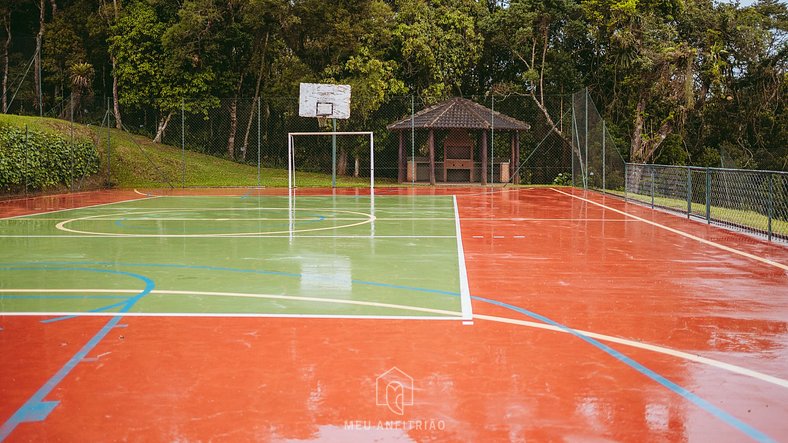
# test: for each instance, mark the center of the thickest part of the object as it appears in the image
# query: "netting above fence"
(596, 162)
(746, 200)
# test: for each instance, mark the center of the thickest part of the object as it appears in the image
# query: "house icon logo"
(394, 389)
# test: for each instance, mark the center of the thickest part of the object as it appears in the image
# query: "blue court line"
(61, 296)
(36, 408)
(675, 388)
(101, 309)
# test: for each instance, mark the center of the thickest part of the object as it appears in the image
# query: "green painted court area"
(384, 256)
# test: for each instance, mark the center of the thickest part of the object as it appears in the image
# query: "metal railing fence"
(750, 201)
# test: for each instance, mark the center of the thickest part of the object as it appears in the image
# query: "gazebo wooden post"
(484, 157)
(401, 159)
(432, 156)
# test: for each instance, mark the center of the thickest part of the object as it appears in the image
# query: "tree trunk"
(233, 127)
(53, 3)
(37, 67)
(115, 104)
(642, 150)
(162, 127)
(357, 167)
(342, 162)
(115, 99)
(636, 147)
(7, 26)
(256, 96)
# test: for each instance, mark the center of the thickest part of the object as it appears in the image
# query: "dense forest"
(678, 81)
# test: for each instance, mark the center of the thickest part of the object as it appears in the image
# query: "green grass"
(750, 219)
(137, 162)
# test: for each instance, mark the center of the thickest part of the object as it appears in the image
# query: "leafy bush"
(563, 179)
(43, 160)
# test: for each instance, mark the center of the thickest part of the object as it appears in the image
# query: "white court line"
(451, 315)
(654, 348)
(81, 207)
(224, 236)
(62, 226)
(515, 219)
(683, 234)
(465, 292)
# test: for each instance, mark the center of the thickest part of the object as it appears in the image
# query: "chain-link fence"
(243, 142)
(745, 200)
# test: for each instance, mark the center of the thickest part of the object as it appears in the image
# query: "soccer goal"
(293, 137)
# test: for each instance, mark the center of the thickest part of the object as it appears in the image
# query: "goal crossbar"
(291, 153)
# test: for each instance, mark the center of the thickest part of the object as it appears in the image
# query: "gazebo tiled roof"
(459, 113)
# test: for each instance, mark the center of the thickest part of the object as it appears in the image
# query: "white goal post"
(291, 153)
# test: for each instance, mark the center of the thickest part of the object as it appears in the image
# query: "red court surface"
(594, 320)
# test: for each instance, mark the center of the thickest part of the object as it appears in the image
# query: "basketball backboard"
(324, 100)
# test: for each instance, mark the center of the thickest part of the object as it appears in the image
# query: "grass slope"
(136, 162)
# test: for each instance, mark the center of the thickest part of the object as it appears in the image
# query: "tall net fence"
(243, 142)
(745, 200)
(597, 163)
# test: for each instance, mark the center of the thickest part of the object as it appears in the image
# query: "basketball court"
(403, 314)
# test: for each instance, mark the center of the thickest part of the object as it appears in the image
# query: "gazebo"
(461, 118)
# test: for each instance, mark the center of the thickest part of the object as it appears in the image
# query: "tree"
(158, 69)
(81, 76)
(438, 45)
(5, 17)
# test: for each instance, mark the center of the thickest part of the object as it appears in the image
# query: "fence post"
(259, 166)
(492, 139)
(413, 139)
(586, 176)
(708, 195)
(604, 187)
(109, 147)
(652, 186)
(770, 210)
(71, 145)
(626, 182)
(183, 144)
(27, 166)
(689, 192)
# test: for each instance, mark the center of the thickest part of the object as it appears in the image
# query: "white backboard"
(324, 100)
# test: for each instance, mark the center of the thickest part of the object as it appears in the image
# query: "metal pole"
(372, 162)
(585, 182)
(689, 192)
(289, 155)
(652, 186)
(40, 91)
(770, 209)
(604, 182)
(183, 144)
(626, 182)
(708, 196)
(413, 139)
(334, 155)
(27, 168)
(492, 141)
(71, 147)
(259, 168)
(109, 148)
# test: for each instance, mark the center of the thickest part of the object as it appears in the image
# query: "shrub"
(42, 160)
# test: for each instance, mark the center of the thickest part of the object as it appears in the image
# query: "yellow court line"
(683, 234)
(648, 347)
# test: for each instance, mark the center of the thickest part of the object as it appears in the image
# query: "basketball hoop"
(322, 122)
